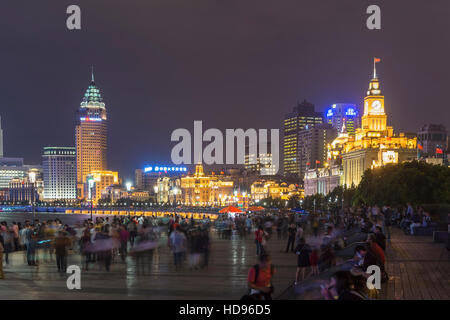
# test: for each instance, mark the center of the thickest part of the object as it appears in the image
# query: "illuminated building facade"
(343, 114)
(322, 180)
(23, 190)
(60, 175)
(312, 146)
(90, 135)
(259, 162)
(11, 168)
(137, 195)
(200, 189)
(28, 189)
(14, 168)
(96, 182)
(114, 192)
(168, 190)
(146, 179)
(263, 189)
(302, 116)
(374, 144)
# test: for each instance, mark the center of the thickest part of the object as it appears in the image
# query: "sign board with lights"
(165, 169)
(90, 119)
(389, 156)
(350, 112)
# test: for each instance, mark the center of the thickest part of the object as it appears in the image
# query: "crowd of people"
(313, 238)
(100, 241)
(316, 239)
(105, 241)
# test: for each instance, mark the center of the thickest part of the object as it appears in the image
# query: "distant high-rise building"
(346, 114)
(312, 146)
(90, 135)
(60, 175)
(432, 139)
(13, 168)
(301, 117)
(259, 162)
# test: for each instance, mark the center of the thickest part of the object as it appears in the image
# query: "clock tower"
(374, 118)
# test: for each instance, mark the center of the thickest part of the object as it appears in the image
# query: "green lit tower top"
(90, 135)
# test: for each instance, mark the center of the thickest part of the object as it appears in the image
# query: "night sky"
(161, 64)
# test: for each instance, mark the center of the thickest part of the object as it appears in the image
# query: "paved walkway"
(225, 278)
(418, 269)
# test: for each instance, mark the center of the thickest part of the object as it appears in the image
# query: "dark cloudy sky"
(161, 64)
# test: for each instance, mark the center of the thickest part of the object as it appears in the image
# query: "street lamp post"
(33, 209)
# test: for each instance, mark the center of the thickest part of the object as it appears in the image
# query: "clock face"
(376, 105)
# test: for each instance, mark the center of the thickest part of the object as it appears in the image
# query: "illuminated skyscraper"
(343, 114)
(60, 179)
(312, 147)
(90, 135)
(303, 116)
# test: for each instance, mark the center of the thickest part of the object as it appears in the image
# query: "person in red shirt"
(124, 237)
(260, 278)
(371, 240)
(259, 234)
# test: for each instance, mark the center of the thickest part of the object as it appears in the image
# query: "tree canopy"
(396, 184)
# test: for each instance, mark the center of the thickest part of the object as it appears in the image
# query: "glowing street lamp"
(128, 186)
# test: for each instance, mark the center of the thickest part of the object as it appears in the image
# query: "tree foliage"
(397, 184)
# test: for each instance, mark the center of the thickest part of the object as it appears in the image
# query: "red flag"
(376, 60)
(419, 146)
(439, 150)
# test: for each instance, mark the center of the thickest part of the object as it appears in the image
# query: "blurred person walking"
(2, 276)
(291, 237)
(7, 240)
(259, 234)
(61, 243)
(177, 243)
(302, 251)
(124, 237)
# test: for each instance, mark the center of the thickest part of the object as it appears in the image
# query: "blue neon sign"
(165, 169)
(350, 112)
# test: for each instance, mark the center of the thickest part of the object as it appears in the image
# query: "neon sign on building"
(165, 169)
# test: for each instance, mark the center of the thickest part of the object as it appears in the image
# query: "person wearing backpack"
(260, 279)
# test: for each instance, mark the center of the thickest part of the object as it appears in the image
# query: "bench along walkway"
(418, 269)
